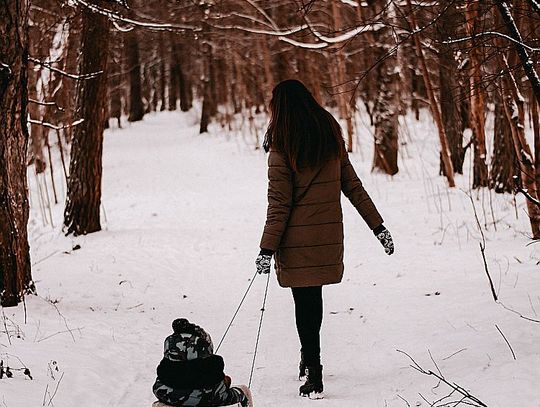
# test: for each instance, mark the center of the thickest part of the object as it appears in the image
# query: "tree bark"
(449, 90)
(162, 72)
(115, 80)
(477, 98)
(504, 156)
(386, 107)
(173, 75)
(208, 105)
(515, 113)
(67, 96)
(345, 110)
(183, 84)
(15, 271)
(536, 132)
(81, 214)
(269, 82)
(136, 106)
(526, 61)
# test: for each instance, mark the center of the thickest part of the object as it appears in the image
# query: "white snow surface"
(184, 215)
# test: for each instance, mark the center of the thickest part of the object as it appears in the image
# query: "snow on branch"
(535, 4)
(52, 126)
(41, 103)
(150, 25)
(64, 73)
(525, 193)
(493, 34)
(5, 68)
(526, 62)
(276, 32)
(283, 34)
(372, 27)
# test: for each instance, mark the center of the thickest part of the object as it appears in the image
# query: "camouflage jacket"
(188, 361)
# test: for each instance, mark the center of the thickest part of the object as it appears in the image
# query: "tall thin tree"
(136, 107)
(15, 272)
(83, 202)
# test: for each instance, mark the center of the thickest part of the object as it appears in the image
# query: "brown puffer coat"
(304, 222)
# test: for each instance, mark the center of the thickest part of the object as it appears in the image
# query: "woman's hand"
(385, 238)
(263, 261)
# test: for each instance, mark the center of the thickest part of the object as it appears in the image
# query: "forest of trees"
(69, 68)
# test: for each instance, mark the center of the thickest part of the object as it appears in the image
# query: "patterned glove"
(263, 263)
(385, 238)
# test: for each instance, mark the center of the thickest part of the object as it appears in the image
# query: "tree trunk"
(173, 75)
(522, 52)
(36, 139)
(208, 106)
(269, 82)
(386, 106)
(445, 152)
(536, 132)
(515, 114)
(15, 272)
(162, 72)
(183, 83)
(115, 80)
(36, 111)
(504, 156)
(477, 98)
(136, 106)
(449, 90)
(81, 214)
(67, 96)
(339, 79)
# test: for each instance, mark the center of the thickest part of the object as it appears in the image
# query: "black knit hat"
(181, 325)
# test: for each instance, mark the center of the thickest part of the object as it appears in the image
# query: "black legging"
(308, 307)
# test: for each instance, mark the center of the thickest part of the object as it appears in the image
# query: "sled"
(245, 389)
(160, 404)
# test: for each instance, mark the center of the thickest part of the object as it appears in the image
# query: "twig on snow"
(60, 332)
(55, 389)
(5, 325)
(482, 245)
(62, 316)
(506, 340)
(406, 402)
(519, 313)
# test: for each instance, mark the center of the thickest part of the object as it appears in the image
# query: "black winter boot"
(313, 387)
(302, 367)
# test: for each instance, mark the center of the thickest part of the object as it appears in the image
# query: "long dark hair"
(300, 128)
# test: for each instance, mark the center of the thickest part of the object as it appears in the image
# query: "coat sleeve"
(280, 191)
(354, 190)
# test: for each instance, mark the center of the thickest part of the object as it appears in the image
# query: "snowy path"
(185, 213)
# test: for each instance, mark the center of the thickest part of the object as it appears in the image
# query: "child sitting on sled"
(191, 375)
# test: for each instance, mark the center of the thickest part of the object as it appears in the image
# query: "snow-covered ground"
(184, 213)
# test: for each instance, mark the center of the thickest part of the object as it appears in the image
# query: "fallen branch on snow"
(458, 394)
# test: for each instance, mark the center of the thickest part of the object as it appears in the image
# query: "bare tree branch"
(52, 126)
(151, 25)
(59, 71)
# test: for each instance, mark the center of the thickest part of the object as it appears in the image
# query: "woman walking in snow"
(308, 168)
